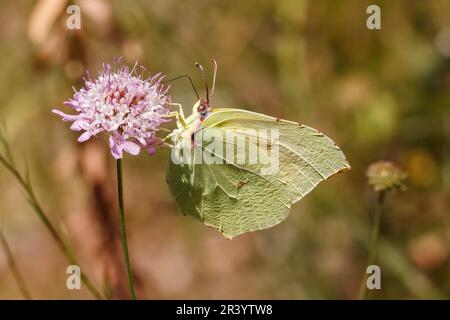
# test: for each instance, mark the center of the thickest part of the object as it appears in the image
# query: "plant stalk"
(46, 221)
(374, 242)
(123, 230)
(20, 280)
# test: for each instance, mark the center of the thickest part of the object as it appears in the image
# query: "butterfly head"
(202, 107)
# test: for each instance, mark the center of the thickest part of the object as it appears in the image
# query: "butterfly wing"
(236, 197)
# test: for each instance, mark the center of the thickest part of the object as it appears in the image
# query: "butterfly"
(240, 171)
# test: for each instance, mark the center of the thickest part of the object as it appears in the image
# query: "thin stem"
(374, 242)
(123, 230)
(15, 270)
(46, 221)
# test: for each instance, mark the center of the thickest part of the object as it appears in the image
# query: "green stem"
(123, 230)
(15, 270)
(374, 243)
(46, 221)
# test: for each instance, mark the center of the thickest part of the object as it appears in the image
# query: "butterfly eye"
(201, 108)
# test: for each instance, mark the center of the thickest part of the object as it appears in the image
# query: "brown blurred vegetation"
(380, 94)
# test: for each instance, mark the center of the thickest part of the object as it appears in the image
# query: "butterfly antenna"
(190, 81)
(202, 70)
(214, 76)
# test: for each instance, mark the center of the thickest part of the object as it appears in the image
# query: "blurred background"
(380, 94)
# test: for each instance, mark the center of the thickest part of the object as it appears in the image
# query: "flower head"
(385, 175)
(129, 108)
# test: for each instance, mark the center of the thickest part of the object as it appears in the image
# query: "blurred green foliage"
(380, 94)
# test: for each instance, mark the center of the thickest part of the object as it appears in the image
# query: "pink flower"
(127, 107)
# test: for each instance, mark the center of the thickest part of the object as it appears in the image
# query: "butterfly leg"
(180, 109)
(162, 143)
(179, 115)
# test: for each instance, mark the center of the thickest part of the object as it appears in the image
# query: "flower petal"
(131, 147)
(79, 125)
(72, 103)
(116, 149)
(65, 117)
(84, 136)
(151, 150)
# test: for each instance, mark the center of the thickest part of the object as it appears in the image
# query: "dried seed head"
(385, 175)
